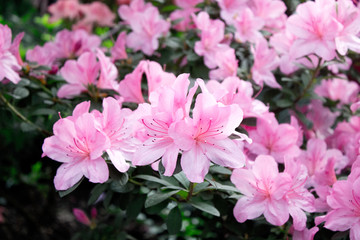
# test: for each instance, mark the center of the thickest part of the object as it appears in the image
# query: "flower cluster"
(285, 154)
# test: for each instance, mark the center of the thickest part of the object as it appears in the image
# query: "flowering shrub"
(226, 119)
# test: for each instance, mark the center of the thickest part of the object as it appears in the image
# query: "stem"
(191, 189)
(135, 182)
(22, 117)
(311, 82)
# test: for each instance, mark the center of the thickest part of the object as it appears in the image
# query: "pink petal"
(67, 175)
(195, 164)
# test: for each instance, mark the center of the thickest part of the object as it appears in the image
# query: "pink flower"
(78, 75)
(298, 197)
(306, 234)
(79, 146)
(229, 8)
(108, 72)
(99, 13)
(282, 42)
(236, 91)
(247, 26)
(345, 203)
(265, 60)
(264, 189)
(170, 105)
(184, 18)
(338, 89)
(348, 15)
(130, 86)
(146, 24)
(70, 9)
(184, 14)
(227, 64)
(74, 43)
(67, 44)
(10, 61)
(315, 30)
(322, 119)
(271, 138)
(118, 51)
(204, 137)
(321, 162)
(345, 138)
(114, 123)
(212, 33)
(83, 73)
(274, 194)
(270, 11)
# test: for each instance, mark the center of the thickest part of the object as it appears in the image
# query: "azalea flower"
(10, 61)
(79, 146)
(265, 60)
(204, 137)
(272, 138)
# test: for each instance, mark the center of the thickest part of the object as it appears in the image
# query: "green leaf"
(155, 198)
(191, 56)
(44, 111)
(153, 179)
(284, 103)
(120, 178)
(135, 206)
(169, 8)
(24, 82)
(173, 42)
(116, 187)
(182, 179)
(221, 187)
(96, 192)
(174, 221)
(66, 192)
(204, 206)
(200, 186)
(20, 93)
(221, 170)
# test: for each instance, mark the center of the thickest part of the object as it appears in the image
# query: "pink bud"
(81, 216)
(93, 213)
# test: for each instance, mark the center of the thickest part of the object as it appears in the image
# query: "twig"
(22, 117)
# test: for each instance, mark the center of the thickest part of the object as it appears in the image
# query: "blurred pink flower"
(67, 44)
(344, 201)
(98, 13)
(130, 86)
(338, 89)
(265, 60)
(271, 138)
(118, 51)
(146, 24)
(84, 72)
(212, 34)
(227, 64)
(10, 61)
(236, 91)
(70, 9)
(315, 30)
(247, 26)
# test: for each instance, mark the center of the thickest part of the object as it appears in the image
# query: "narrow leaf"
(155, 198)
(174, 221)
(205, 207)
